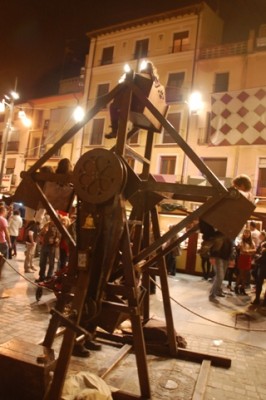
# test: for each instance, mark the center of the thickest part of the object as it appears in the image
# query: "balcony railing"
(223, 50)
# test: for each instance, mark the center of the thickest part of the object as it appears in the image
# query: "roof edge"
(193, 9)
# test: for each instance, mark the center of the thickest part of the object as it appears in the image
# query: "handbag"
(205, 248)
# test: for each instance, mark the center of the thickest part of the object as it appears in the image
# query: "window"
(107, 55)
(102, 89)
(173, 90)
(13, 142)
(167, 165)
(135, 138)
(38, 117)
(141, 48)
(205, 132)
(174, 119)
(261, 188)
(33, 150)
(216, 165)
(97, 131)
(221, 82)
(10, 165)
(180, 41)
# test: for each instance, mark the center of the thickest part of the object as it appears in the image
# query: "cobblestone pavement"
(238, 333)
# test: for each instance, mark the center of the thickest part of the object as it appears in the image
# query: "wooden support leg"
(138, 337)
(165, 290)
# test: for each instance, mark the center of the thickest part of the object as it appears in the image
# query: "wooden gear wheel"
(98, 176)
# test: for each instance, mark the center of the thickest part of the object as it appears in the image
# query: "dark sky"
(35, 33)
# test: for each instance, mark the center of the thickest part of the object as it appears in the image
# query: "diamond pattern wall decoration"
(239, 117)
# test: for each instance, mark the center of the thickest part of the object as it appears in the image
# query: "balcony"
(223, 50)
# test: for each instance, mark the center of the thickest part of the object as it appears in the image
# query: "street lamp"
(9, 104)
(7, 131)
(195, 104)
(78, 114)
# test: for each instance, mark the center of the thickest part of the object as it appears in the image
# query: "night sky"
(39, 38)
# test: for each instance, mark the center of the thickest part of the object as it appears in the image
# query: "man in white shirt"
(255, 233)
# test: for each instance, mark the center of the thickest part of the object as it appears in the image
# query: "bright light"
(21, 114)
(15, 95)
(195, 102)
(122, 79)
(127, 68)
(143, 65)
(2, 106)
(78, 114)
(26, 121)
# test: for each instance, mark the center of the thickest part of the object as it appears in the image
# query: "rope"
(159, 287)
(25, 278)
(205, 318)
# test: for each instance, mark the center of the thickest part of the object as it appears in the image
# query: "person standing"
(261, 275)
(221, 251)
(247, 250)
(15, 223)
(49, 239)
(220, 255)
(171, 256)
(255, 233)
(32, 231)
(63, 245)
(5, 242)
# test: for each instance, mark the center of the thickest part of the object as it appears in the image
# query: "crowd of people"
(242, 259)
(42, 240)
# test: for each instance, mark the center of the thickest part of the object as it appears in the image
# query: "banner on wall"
(6, 183)
(239, 117)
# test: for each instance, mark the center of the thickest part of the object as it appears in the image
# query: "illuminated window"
(174, 119)
(97, 131)
(107, 55)
(141, 48)
(180, 41)
(167, 165)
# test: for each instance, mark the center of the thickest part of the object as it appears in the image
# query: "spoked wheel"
(98, 175)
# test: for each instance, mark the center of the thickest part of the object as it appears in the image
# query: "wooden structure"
(113, 249)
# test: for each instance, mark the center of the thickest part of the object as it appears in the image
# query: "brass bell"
(89, 222)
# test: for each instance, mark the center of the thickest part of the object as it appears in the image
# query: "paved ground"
(208, 328)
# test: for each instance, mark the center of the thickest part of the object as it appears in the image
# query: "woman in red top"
(246, 249)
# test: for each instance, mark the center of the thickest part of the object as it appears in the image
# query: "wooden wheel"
(98, 176)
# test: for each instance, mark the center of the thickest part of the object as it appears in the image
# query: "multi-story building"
(186, 47)
(171, 40)
(50, 117)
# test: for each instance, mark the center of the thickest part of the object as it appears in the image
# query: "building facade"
(186, 47)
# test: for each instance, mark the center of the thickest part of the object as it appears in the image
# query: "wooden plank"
(115, 360)
(202, 381)
(216, 361)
